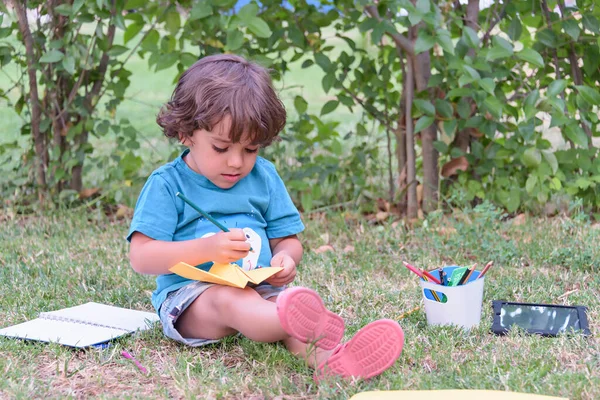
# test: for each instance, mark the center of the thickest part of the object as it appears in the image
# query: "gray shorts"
(178, 301)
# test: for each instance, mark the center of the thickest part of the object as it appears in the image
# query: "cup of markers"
(452, 295)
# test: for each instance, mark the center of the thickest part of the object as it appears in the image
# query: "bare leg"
(223, 311)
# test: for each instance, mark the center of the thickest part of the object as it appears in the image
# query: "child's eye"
(219, 149)
(251, 150)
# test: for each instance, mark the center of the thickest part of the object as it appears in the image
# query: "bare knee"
(228, 299)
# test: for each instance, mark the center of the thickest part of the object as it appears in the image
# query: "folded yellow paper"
(225, 274)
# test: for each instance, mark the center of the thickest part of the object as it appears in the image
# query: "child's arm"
(287, 253)
(155, 257)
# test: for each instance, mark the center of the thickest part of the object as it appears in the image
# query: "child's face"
(214, 156)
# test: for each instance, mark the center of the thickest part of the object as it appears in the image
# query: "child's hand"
(229, 246)
(288, 273)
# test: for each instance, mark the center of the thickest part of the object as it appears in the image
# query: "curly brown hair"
(221, 85)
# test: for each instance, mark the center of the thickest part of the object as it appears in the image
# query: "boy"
(224, 109)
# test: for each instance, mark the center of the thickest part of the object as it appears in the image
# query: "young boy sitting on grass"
(224, 110)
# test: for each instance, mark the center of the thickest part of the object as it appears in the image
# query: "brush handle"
(206, 215)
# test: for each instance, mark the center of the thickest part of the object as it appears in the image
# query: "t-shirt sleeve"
(282, 216)
(155, 212)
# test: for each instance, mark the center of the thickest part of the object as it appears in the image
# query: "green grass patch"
(52, 261)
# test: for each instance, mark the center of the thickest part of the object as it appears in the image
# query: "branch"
(399, 39)
(488, 33)
(367, 107)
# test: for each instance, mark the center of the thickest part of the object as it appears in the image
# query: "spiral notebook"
(82, 326)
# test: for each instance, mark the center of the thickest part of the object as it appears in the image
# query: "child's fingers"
(236, 234)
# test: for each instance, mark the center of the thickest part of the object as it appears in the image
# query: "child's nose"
(235, 159)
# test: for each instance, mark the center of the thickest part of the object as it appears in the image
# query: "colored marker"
(205, 214)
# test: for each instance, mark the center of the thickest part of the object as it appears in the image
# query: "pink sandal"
(304, 317)
(371, 351)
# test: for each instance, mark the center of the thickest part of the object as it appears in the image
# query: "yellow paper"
(450, 395)
(224, 274)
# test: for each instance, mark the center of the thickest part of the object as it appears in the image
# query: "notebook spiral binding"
(77, 321)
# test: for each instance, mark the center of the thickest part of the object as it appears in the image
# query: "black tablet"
(541, 319)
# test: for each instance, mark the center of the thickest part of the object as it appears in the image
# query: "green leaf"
(328, 81)
(531, 56)
(167, 60)
(531, 182)
(444, 108)
(471, 72)
(470, 37)
(173, 22)
(571, 28)
(445, 41)
(494, 106)
(424, 106)
(52, 56)
(131, 31)
(532, 157)
(235, 40)
(515, 29)
(201, 9)
(497, 52)
(424, 42)
(132, 4)
(296, 36)
(423, 122)
(591, 23)
(77, 4)
(300, 104)
(248, 12)
(464, 108)
(424, 6)
(377, 33)
(259, 27)
(551, 160)
(323, 61)
(69, 64)
(514, 200)
(488, 85)
(576, 134)
(547, 38)
(188, 59)
(117, 50)
(556, 87)
(330, 106)
(589, 94)
(64, 9)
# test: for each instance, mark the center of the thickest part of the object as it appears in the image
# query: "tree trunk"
(422, 72)
(400, 134)
(463, 136)
(412, 207)
(36, 112)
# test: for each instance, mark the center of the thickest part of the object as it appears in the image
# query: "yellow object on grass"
(449, 395)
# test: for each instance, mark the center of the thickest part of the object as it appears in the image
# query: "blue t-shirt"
(259, 204)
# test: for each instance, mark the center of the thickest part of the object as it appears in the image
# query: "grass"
(62, 259)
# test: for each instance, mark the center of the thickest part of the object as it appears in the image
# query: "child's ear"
(185, 140)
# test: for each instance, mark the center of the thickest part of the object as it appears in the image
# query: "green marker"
(205, 214)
